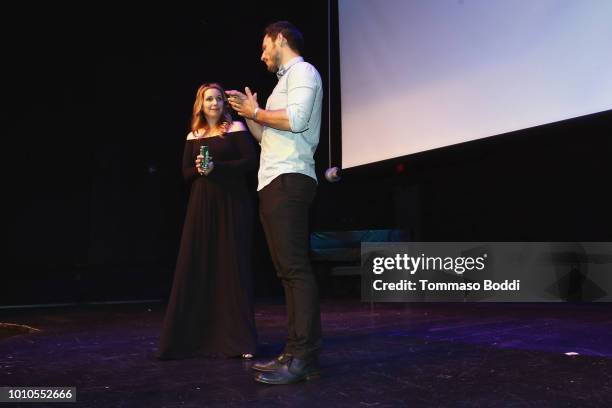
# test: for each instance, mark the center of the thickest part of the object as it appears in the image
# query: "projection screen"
(422, 74)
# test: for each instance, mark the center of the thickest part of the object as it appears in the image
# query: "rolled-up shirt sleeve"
(301, 91)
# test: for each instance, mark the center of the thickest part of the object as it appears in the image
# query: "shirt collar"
(283, 68)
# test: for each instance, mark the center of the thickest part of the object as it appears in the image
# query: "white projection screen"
(422, 74)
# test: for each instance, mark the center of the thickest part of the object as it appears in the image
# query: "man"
(288, 132)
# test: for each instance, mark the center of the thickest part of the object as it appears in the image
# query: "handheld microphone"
(333, 174)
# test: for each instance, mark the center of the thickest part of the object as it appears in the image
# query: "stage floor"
(385, 355)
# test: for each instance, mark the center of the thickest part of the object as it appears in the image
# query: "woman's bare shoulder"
(237, 126)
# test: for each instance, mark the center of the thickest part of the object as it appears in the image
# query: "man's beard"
(275, 66)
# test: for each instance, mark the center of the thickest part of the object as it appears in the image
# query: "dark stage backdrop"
(96, 107)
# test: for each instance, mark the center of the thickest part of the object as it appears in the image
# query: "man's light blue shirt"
(299, 91)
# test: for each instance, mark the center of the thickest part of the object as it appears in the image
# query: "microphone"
(333, 174)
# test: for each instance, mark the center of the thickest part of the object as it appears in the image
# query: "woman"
(210, 311)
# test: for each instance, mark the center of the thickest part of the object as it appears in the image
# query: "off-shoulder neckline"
(212, 137)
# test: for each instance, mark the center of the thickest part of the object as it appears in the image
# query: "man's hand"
(243, 103)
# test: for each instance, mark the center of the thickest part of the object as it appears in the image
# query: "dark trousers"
(283, 210)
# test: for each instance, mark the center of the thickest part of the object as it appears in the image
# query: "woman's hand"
(210, 168)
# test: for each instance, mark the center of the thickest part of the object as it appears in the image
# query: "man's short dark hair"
(289, 31)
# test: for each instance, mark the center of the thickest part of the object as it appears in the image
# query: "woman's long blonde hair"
(198, 120)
